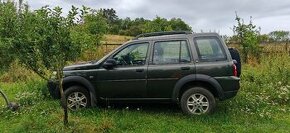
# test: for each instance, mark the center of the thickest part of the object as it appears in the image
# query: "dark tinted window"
(132, 55)
(210, 49)
(171, 52)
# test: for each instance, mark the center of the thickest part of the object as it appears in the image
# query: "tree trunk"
(245, 54)
(63, 99)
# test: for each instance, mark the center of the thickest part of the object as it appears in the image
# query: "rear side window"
(171, 52)
(209, 49)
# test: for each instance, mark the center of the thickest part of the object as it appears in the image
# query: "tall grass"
(265, 87)
(17, 73)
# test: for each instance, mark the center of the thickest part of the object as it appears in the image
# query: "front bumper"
(53, 89)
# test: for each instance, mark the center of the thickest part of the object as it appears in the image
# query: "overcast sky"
(206, 15)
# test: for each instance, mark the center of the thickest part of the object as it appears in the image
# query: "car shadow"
(222, 110)
(144, 107)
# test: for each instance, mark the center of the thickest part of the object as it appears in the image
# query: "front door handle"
(139, 70)
(185, 68)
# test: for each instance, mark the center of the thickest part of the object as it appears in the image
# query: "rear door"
(212, 59)
(170, 61)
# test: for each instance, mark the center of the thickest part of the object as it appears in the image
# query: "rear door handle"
(139, 70)
(185, 68)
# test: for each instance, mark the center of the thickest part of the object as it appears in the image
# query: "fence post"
(287, 47)
(106, 47)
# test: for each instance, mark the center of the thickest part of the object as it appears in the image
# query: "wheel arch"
(197, 80)
(81, 81)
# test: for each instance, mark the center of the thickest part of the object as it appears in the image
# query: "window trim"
(179, 58)
(219, 43)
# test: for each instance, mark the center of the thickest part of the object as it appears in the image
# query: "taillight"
(235, 71)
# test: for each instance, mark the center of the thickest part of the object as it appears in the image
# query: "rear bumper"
(229, 94)
(230, 85)
(53, 89)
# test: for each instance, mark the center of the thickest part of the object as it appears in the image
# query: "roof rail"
(162, 34)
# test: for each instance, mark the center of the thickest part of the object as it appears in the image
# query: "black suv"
(190, 69)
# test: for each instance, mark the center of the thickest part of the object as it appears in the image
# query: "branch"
(40, 75)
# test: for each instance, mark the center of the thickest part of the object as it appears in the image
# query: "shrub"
(17, 73)
(265, 88)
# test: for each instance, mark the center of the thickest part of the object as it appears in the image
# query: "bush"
(265, 89)
(31, 92)
(17, 73)
(247, 37)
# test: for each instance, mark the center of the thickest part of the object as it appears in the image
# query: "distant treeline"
(279, 36)
(133, 27)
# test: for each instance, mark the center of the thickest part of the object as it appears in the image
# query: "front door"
(128, 78)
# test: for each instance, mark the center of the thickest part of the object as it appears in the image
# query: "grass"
(262, 105)
(42, 114)
(115, 39)
(109, 43)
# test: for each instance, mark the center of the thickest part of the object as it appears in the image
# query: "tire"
(236, 56)
(77, 97)
(197, 101)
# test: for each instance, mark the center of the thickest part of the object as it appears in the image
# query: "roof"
(162, 33)
(171, 34)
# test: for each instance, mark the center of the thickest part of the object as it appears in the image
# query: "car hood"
(82, 66)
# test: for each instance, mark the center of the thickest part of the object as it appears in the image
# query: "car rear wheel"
(77, 97)
(197, 101)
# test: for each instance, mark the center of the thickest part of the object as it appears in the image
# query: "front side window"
(210, 49)
(171, 52)
(132, 55)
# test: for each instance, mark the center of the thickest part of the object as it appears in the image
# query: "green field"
(262, 105)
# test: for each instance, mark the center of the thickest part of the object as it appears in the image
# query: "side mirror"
(109, 64)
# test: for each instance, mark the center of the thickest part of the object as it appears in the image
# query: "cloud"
(203, 15)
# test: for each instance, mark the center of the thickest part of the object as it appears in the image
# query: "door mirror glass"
(109, 64)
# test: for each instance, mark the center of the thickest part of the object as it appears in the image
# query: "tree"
(279, 36)
(156, 25)
(263, 38)
(112, 19)
(88, 32)
(8, 24)
(46, 40)
(109, 14)
(133, 27)
(126, 23)
(137, 26)
(161, 24)
(247, 36)
(178, 25)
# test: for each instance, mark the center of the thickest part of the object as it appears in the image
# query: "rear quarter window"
(209, 49)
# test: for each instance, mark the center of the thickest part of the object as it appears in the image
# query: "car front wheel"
(197, 101)
(77, 97)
